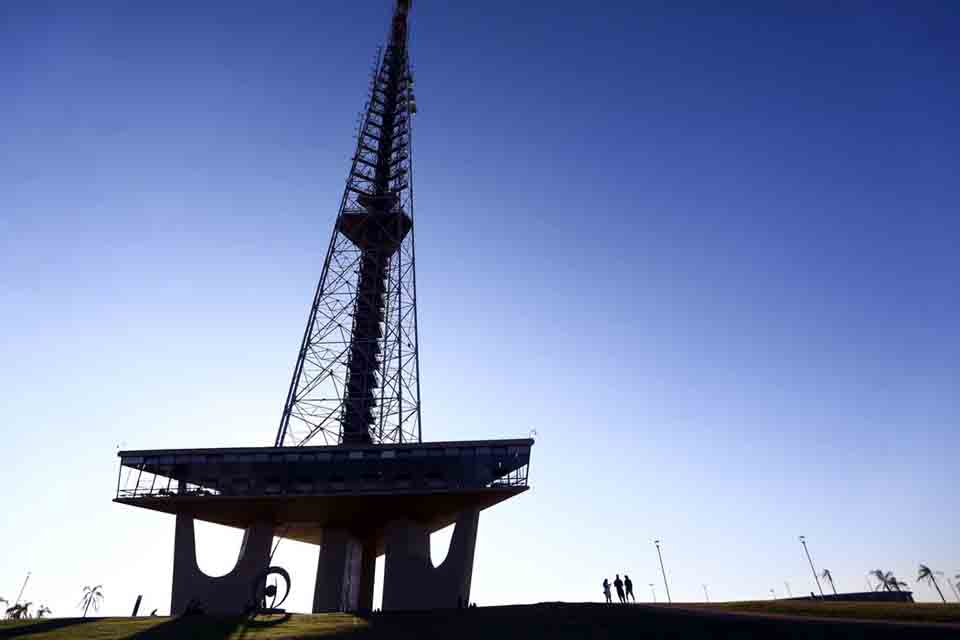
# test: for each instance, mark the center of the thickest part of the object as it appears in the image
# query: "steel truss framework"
(357, 374)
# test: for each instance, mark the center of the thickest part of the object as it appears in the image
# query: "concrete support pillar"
(410, 580)
(345, 573)
(229, 594)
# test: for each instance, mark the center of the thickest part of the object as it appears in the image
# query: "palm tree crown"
(887, 580)
(882, 579)
(92, 596)
(926, 575)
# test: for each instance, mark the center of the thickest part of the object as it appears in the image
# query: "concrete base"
(345, 573)
(229, 594)
(410, 580)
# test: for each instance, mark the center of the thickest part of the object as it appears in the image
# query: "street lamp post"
(956, 588)
(22, 588)
(653, 590)
(953, 588)
(663, 571)
(803, 541)
(705, 594)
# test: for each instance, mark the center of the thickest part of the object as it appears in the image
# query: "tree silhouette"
(883, 579)
(826, 575)
(897, 584)
(43, 611)
(887, 580)
(926, 574)
(19, 611)
(92, 596)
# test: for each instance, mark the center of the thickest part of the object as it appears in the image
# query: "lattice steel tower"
(356, 380)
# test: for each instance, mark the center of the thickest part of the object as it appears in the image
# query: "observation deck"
(302, 490)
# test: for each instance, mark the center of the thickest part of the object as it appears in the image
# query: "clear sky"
(710, 256)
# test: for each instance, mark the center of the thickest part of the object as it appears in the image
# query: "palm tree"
(883, 579)
(44, 610)
(896, 583)
(19, 611)
(926, 574)
(91, 596)
(826, 575)
(887, 580)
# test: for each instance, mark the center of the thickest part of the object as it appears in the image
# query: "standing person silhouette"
(606, 591)
(618, 583)
(629, 586)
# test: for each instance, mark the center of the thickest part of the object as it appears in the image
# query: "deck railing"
(321, 471)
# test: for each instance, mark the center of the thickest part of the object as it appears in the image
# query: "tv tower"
(348, 470)
(356, 380)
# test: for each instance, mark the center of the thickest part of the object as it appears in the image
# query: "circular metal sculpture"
(266, 596)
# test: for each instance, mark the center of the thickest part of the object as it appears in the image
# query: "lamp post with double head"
(663, 571)
(803, 541)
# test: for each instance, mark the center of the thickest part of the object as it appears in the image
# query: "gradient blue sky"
(709, 255)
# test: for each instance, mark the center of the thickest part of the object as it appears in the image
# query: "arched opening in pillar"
(300, 560)
(440, 544)
(218, 547)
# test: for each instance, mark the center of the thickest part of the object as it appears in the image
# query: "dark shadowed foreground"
(533, 622)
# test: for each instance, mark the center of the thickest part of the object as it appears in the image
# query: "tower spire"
(356, 380)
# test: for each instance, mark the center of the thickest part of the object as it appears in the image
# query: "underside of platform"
(303, 518)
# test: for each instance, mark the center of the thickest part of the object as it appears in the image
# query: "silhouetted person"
(629, 587)
(606, 591)
(618, 583)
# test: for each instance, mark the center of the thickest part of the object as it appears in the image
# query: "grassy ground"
(899, 612)
(533, 622)
(295, 626)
